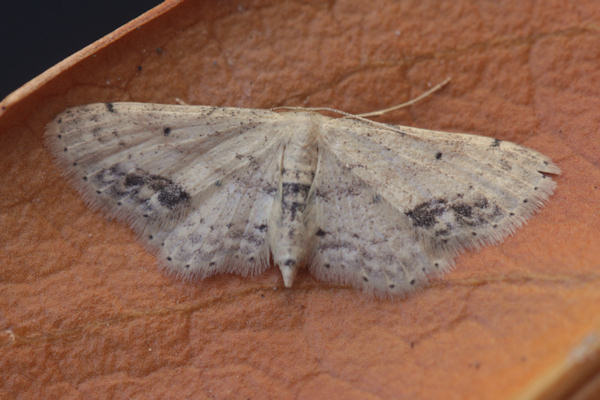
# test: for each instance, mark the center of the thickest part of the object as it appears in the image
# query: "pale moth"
(360, 203)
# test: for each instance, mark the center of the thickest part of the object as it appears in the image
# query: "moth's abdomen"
(288, 231)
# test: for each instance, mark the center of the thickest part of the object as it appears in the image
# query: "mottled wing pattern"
(408, 200)
(361, 238)
(226, 231)
(195, 182)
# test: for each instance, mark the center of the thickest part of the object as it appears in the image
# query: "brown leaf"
(85, 310)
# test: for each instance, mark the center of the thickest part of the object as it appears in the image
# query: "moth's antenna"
(362, 117)
(372, 113)
(408, 103)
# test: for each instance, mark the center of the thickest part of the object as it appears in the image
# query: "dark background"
(35, 35)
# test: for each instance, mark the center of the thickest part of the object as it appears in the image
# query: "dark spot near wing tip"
(187, 265)
(211, 264)
(376, 198)
(436, 265)
(424, 214)
(65, 149)
(145, 215)
(545, 162)
(496, 143)
(412, 281)
(392, 286)
(438, 155)
(262, 227)
(525, 201)
(512, 214)
(218, 183)
(172, 195)
(59, 121)
(133, 180)
(110, 107)
(251, 259)
(119, 203)
(463, 210)
(98, 192)
(74, 163)
(169, 259)
(428, 215)
(150, 237)
(474, 233)
(495, 225)
(166, 131)
(535, 188)
(321, 232)
(289, 262)
(327, 266)
(59, 136)
(85, 178)
(365, 279)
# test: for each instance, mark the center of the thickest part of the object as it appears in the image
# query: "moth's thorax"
(288, 222)
(299, 160)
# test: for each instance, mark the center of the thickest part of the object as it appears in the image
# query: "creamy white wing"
(441, 191)
(194, 182)
(360, 238)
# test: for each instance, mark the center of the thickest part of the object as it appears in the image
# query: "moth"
(231, 190)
